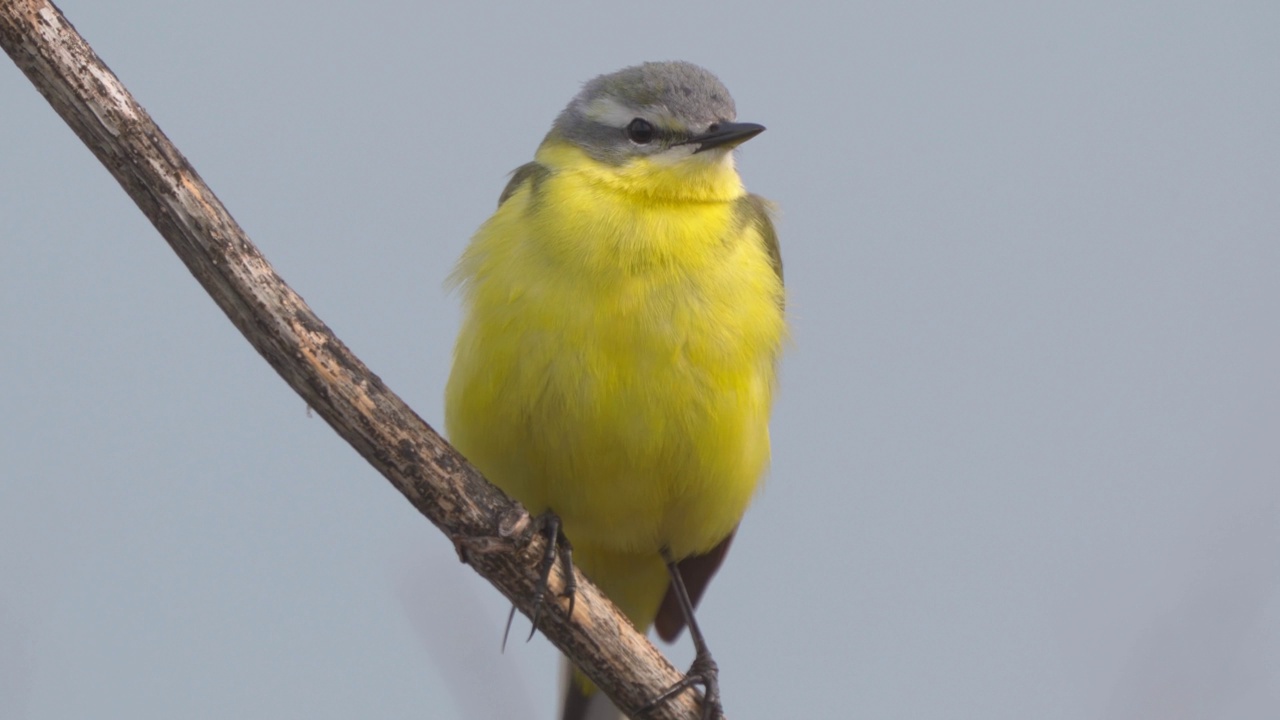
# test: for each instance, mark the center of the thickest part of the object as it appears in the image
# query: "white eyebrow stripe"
(607, 111)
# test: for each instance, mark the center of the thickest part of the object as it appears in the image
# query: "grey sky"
(1026, 450)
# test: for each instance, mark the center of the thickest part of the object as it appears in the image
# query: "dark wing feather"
(529, 172)
(696, 572)
(754, 210)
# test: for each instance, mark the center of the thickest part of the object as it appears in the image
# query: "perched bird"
(623, 319)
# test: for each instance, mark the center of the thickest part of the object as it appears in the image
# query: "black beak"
(725, 134)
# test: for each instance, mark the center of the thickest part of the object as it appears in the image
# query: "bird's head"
(661, 128)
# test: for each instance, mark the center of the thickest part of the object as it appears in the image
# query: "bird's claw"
(558, 546)
(702, 672)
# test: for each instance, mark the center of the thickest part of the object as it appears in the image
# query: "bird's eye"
(640, 131)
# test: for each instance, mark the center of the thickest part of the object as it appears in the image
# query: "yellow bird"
(623, 319)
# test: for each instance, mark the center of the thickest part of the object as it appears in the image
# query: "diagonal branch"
(491, 531)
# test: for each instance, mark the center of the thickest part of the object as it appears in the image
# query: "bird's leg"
(558, 547)
(703, 671)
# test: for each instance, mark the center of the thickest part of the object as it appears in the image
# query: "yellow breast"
(617, 357)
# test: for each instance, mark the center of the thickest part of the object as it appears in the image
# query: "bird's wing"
(696, 571)
(531, 172)
(755, 211)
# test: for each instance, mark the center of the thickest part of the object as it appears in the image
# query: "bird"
(623, 323)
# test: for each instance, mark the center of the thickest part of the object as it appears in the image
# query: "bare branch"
(490, 530)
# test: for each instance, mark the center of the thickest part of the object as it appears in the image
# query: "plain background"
(1027, 445)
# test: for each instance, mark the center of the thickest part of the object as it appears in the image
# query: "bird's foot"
(558, 547)
(702, 672)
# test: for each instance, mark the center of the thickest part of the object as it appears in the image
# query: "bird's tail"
(581, 704)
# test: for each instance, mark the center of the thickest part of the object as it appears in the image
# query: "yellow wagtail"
(619, 350)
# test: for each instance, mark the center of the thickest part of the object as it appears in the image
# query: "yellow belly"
(616, 365)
